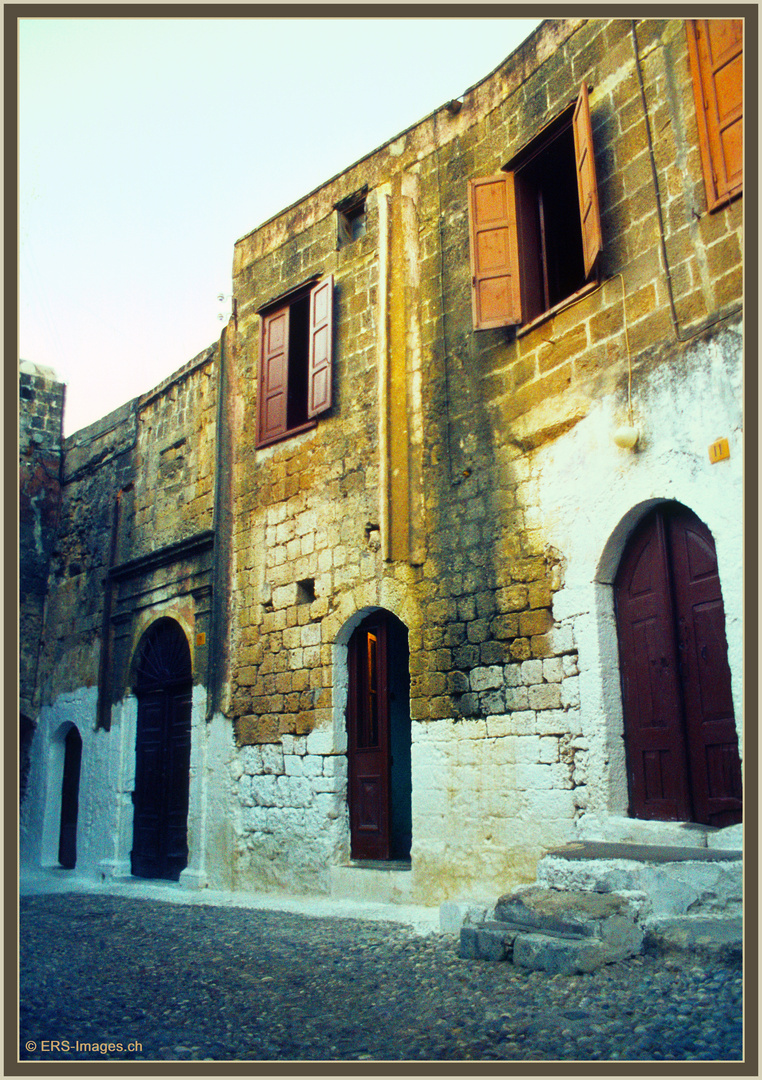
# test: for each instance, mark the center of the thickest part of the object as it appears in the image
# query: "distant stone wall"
(41, 402)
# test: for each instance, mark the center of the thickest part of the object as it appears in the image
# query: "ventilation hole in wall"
(305, 591)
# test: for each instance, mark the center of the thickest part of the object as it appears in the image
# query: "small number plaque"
(719, 450)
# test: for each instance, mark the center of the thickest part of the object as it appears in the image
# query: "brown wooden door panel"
(650, 690)
(682, 748)
(368, 737)
(705, 671)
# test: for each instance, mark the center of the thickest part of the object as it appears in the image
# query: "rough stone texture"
(41, 402)
(699, 886)
(465, 481)
(275, 986)
(557, 956)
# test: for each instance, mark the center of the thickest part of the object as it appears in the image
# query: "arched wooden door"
(679, 726)
(378, 730)
(67, 837)
(163, 686)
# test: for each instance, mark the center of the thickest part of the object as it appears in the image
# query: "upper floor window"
(535, 227)
(295, 361)
(351, 220)
(715, 47)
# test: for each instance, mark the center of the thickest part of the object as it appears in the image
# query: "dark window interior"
(352, 222)
(298, 361)
(550, 233)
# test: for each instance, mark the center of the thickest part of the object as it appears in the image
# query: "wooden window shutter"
(587, 186)
(715, 47)
(272, 393)
(321, 348)
(495, 292)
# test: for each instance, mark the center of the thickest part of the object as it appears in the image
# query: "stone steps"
(565, 932)
(678, 881)
(598, 902)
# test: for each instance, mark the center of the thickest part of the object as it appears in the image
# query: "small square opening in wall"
(305, 591)
(351, 221)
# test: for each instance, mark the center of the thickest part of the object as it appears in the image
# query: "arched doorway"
(378, 739)
(26, 734)
(163, 685)
(67, 838)
(679, 727)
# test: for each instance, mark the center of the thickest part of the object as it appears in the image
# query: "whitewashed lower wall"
(107, 781)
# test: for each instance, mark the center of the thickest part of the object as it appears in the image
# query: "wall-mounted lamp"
(626, 436)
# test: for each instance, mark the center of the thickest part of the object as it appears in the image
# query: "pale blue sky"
(149, 146)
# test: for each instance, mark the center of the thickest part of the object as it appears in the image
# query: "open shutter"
(587, 187)
(272, 392)
(321, 348)
(716, 53)
(495, 293)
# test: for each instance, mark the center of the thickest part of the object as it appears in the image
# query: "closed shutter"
(496, 297)
(321, 348)
(272, 392)
(715, 47)
(587, 187)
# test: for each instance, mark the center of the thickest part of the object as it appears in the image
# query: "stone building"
(434, 561)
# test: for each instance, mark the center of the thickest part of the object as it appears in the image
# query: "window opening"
(535, 227)
(295, 361)
(352, 223)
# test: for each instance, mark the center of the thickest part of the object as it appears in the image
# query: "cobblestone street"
(196, 982)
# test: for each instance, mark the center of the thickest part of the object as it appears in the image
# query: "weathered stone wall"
(465, 481)
(509, 441)
(41, 401)
(135, 542)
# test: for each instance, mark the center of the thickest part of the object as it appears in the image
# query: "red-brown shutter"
(587, 186)
(272, 392)
(321, 348)
(495, 292)
(715, 47)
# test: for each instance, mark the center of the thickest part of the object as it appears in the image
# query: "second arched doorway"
(378, 736)
(679, 726)
(163, 685)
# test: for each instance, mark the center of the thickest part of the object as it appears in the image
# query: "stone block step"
(708, 939)
(387, 882)
(677, 880)
(561, 933)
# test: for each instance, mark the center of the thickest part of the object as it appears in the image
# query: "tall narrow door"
(160, 845)
(378, 730)
(682, 749)
(67, 840)
(162, 754)
(368, 737)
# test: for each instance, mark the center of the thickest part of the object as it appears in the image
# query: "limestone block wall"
(495, 536)
(134, 542)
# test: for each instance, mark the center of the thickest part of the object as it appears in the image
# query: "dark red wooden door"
(162, 754)
(682, 748)
(67, 840)
(368, 740)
